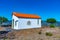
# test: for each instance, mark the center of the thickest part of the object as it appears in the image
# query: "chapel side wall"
(23, 23)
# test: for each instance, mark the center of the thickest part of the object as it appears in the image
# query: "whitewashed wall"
(23, 23)
(15, 18)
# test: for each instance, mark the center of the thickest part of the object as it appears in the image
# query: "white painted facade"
(22, 23)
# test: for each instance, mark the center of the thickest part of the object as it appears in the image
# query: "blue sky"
(44, 8)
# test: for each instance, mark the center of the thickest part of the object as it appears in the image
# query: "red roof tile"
(25, 15)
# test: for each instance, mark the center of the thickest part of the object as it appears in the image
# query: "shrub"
(49, 34)
(52, 26)
(40, 32)
(4, 38)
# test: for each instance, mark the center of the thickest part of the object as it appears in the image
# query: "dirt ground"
(33, 34)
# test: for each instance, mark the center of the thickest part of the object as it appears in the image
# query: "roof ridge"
(25, 15)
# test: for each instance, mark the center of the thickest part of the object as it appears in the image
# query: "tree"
(0, 20)
(52, 21)
(3, 19)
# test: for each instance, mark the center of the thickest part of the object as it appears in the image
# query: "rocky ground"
(34, 34)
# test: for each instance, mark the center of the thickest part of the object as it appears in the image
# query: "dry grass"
(33, 34)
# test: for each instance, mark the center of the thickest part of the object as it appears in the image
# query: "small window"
(28, 23)
(16, 22)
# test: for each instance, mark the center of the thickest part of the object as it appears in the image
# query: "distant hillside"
(44, 23)
(58, 24)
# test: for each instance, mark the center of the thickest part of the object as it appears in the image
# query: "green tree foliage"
(51, 20)
(3, 19)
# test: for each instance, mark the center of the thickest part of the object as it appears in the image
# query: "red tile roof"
(25, 15)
